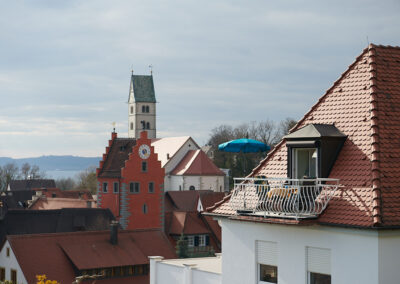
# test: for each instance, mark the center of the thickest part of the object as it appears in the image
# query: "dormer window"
(312, 150)
(304, 163)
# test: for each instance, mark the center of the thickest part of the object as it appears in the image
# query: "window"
(151, 187)
(144, 166)
(13, 276)
(147, 109)
(304, 163)
(105, 187)
(8, 252)
(144, 209)
(317, 278)
(2, 274)
(192, 187)
(131, 125)
(190, 240)
(267, 258)
(143, 109)
(143, 124)
(319, 265)
(180, 188)
(202, 241)
(148, 125)
(134, 187)
(131, 109)
(116, 187)
(268, 273)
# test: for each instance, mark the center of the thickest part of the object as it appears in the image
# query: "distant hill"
(55, 163)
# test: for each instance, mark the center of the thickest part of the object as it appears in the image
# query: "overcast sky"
(65, 65)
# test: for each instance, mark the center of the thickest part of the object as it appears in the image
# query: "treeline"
(240, 164)
(84, 180)
(11, 171)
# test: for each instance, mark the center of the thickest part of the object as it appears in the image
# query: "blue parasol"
(243, 145)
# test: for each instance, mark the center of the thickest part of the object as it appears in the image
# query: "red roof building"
(131, 180)
(324, 205)
(65, 256)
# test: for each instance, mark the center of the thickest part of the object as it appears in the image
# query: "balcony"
(282, 197)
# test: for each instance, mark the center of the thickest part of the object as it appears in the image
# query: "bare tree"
(65, 183)
(8, 172)
(87, 180)
(25, 169)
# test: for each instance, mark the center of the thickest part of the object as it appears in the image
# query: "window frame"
(2, 273)
(294, 161)
(134, 187)
(309, 276)
(115, 189)
(202, 240)
(190, 241)
(13, 271)
(151, 187)
(144, 167)
(259, 274)
(145, 209)
(105, 187)
(8, 252)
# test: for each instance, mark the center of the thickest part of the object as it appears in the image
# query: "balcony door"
(304, 163)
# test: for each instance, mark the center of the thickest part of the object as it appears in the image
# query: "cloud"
(64, 73)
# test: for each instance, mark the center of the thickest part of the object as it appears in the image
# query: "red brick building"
(130, 182)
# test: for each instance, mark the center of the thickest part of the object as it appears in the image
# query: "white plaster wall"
(138, 116)
(203, 277)
(204, 182)
(167, 273)
(175, 182)
(11, 263)
(389, 257)
(354, 253)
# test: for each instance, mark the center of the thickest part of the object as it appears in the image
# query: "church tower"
(142, 106)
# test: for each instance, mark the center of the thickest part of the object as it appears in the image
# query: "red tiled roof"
(187, 223)
(364, 104)
(116, 155)
(188, 200)
(50, 192)
(56, 254)
(197, 163)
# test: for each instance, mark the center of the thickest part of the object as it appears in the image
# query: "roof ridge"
(372, 45)
(277, 146)
(376, 176)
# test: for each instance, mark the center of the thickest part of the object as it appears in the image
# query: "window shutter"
(207, 240)
(319, 260)
(267, 253)
(196, 241)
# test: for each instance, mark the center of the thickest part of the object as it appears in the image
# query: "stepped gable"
(364, 104)
(196, 163)
(117, 153)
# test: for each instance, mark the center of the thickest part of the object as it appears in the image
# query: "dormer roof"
(316, 131)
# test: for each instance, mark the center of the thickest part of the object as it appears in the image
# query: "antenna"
(132, 69)
(151, 69)
(367, 41)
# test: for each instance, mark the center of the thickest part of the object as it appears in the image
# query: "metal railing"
(282, 197)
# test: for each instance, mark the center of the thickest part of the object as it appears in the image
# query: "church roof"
(169, 146)
(197, 163)
(143, 88)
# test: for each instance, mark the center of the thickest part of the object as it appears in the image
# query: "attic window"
(312, 150)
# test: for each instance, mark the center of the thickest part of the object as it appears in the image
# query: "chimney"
(114, 232)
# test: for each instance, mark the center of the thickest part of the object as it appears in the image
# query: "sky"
(65, 65)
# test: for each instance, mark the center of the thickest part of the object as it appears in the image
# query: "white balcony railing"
(282, 197)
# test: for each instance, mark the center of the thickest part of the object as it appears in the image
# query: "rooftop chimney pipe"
(114, 232)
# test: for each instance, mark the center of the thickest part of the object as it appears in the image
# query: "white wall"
(354, 252)
(214, 183)
(177, 274)
(389, 257)
(11, 263)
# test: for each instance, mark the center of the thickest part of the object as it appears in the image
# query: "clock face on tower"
(144, 151)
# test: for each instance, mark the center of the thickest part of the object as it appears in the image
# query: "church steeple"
(142, 106)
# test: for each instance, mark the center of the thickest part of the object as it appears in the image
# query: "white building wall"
(11, 263)
(204, 277)
(167, 273)
(354, 253)
(214, 183)
(389, 257)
